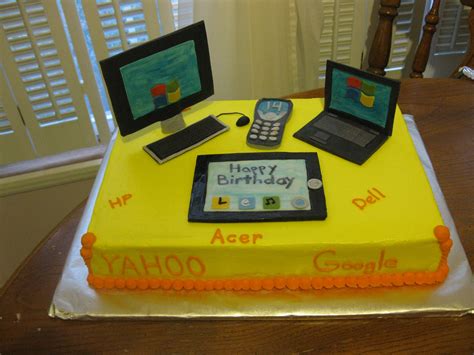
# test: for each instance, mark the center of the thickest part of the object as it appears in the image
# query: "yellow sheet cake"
(383, 226)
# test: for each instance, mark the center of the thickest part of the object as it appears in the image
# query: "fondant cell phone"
(270, 117)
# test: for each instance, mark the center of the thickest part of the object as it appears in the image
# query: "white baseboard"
(49, 177)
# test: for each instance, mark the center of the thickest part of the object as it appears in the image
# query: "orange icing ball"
(255, 284)
(119, 283)
(362, 281)
(375, 280)
(442, 233)
(228, 286)
(409, 278)
(245, 285)
(166, 284)
(86, 253)
(419, 278)
(199, 285)
(189, 284)
(397, 280)
(279, 283)
(237, 285)
(304, 283)
(88, 239)
(98, 282)
(292, 283)
(209, 285)
(178, 285)
(142, 284)
(339, 282)
(131, 284)
(328, 282)
(218, 285)
(267, 284)
(154, 283)
(317, 283)
(109, 283)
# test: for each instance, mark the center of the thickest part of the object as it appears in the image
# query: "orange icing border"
(277, 283)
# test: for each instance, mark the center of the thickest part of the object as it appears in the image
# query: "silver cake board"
(74, 299)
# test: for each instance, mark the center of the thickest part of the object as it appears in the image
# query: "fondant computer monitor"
(157, 80)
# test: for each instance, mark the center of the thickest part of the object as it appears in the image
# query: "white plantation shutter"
(182, 12)
(117, 25)
(36, 57)
(453, 29)
(14, 141)
(343, 32)
(403, 38)
(450, 41)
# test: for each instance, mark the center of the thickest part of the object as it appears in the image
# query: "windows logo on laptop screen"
(358, 113)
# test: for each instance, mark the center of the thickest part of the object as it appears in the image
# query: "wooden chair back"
(380, 48)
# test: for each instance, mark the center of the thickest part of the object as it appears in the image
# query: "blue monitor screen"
(360, 97)
(161, 79)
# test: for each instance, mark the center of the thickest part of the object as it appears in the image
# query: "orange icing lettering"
(232, 238)
(129, 264)
(244, 238)
(256, 236)
(316, 265)
(391, 263)
(119, 201)
(218, 236)
(147, 266)
(201, 266)
(368, 267)
(374, 196)
(168, 259)
(381, 257)
(110, 262)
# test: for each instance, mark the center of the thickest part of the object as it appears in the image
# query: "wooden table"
(444, 113)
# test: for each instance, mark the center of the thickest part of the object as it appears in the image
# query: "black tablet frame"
(116, 89)
(198, 195)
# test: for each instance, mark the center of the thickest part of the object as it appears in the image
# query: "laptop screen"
(361, 95)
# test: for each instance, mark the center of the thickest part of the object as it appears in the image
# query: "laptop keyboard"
(344, 130)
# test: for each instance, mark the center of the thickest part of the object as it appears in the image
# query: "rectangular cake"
(383, 226)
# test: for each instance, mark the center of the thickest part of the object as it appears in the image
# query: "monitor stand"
(173, 124)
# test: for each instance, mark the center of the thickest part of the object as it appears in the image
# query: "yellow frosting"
(380, 220)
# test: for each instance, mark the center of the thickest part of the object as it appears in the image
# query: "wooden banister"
(382, 43)
(423, 50)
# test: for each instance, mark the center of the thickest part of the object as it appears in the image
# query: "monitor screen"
(158, 79)
(361, 95)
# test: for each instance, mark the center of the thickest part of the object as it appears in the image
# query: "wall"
(27, 218)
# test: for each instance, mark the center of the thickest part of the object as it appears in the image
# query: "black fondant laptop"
(358, 114)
